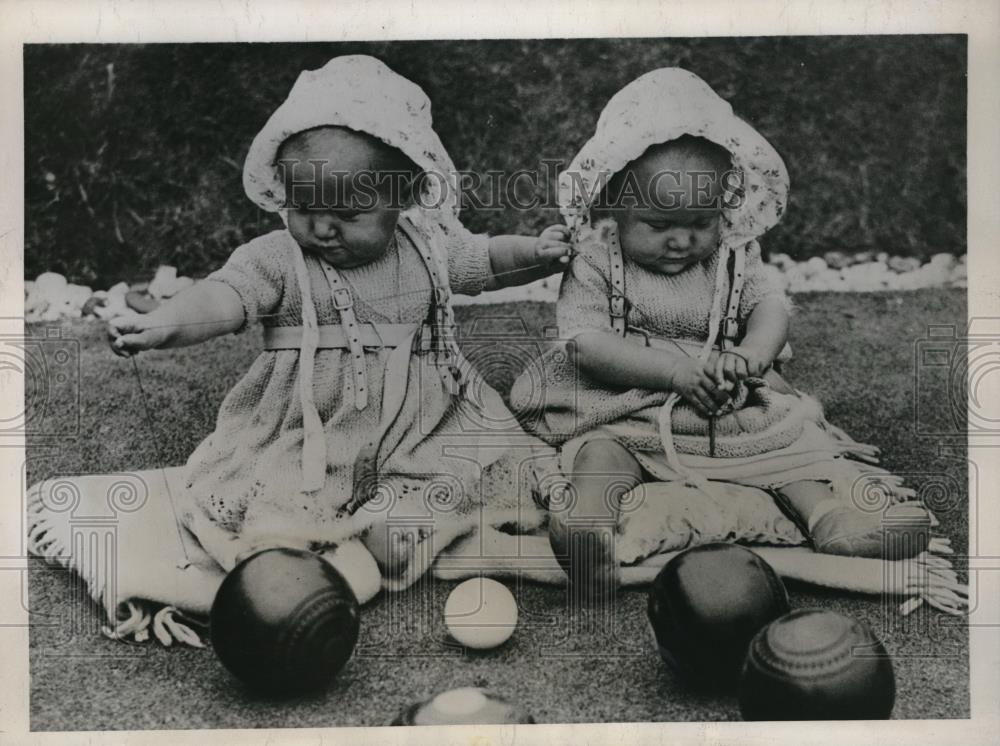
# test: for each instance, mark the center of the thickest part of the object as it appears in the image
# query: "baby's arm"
(620, 363)
(765, 307)
(249, 285)
(206, 309)
(767, 332)
(518, 260)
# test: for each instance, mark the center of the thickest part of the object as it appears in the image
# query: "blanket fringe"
(936, 583)
(165, 625)
(132, 620)
(43, 539)
(136, 624)
(930, 578)
(925, 579)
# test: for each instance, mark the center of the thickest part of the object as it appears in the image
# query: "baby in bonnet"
(672, 329)
(358, 407)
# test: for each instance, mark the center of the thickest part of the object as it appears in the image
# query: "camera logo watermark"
(48, 362)
(955, 373)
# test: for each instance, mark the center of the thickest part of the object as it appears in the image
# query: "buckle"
(619, 305)
(342, 299)
(730, 328)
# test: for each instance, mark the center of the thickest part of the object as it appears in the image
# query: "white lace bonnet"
(363, 94)
(660, 106)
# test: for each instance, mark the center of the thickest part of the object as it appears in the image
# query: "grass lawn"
(855, 352)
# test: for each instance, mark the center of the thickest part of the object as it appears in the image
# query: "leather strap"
(343, 301)
(737, 276)
(617, 303)
(332, 336)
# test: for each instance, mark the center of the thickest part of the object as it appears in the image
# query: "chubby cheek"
(707, 241)
(370, 237)
(298, 226)
(638, 244)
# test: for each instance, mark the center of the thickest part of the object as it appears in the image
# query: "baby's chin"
(669, 268)
(341, 258)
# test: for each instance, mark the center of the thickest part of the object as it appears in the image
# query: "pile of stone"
(49, 297)
(867, 272)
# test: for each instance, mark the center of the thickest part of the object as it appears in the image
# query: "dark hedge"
(133, 153)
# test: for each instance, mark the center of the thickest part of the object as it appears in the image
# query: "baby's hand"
(552, 248)
(131, 332)
(695, 381)
(738, 364)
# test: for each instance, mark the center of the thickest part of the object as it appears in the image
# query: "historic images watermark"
(318, 184)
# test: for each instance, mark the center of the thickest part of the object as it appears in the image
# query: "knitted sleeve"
(584, 296)
(760, 282)
(468, 259)
(255, 272)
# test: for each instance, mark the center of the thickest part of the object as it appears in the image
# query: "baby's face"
(343, 236)
(330, 211)
(675, 221)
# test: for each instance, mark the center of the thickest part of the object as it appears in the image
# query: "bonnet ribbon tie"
(313, 439)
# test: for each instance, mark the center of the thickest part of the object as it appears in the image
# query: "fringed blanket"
(150, 575)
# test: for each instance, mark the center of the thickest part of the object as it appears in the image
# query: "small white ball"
(459, 702)
(481, 613)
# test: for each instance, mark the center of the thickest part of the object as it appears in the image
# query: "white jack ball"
(481, 613)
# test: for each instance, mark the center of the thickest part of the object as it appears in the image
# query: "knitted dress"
(774, 437)
(566, 407)
(310, 448)
(441, 462)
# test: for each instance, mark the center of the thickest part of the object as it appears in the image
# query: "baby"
(672, 330)
(348, 414)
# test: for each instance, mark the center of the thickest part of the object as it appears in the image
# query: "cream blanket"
(117, 531)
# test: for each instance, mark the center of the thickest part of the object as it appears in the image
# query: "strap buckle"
(619, 306)
(342, 299)
(730, 328)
